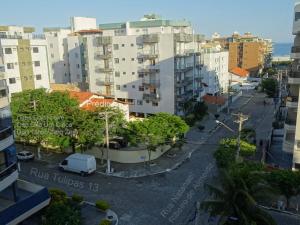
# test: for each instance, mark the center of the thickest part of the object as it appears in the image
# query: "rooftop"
(214, 100)
(239, 72)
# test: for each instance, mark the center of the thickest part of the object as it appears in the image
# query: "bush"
(105, 222)
(77, 198)
(57, 195)
(103, 205)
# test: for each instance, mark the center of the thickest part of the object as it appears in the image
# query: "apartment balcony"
(185, 68)
(182, 37)
(150, 38)
(288, 146)
(151, 83)
(31, 199)
(103, 69)
(290, 124)
(148, 55)
(8, 175)
(185, 82)
(295, 53)
(199, 38)
(103, 55)
(103, 40)
(150, 70)
(105, 82)
(6, 138)
(184, 53)
(294, 78)
(292, 101)
(151, 96)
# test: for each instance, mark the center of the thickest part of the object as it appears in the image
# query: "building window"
(51, 45)
(141, 88)
(10, 65)
(132, 45)
(132, 59)
(297, 16)
(123, 45)
(124, 86)
(140, 60)
(133, 73)
(123, 59)
(116, 47)
(117, 74)
(139, 102)
(12, 80)
(137, 30)
(52, 55)
(78, 66)
(118, 87)
(154, 104)
(130, 101)
(8, 51)
(124, 73)
(141, 75)
(37, 63)
(133, 86)
(38, 76)
(117, 60)
(76, 44)
(35, 50)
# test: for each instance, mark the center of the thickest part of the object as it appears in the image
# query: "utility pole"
(108, 169)
(241, 118)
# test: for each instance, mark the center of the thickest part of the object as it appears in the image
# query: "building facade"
(25, 58)
(291, 142)
(18, 199)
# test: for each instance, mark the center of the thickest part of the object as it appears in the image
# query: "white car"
(25, 156)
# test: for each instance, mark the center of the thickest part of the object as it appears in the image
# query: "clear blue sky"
(268, 18)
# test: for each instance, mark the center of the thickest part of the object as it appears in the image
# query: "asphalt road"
(155, 200)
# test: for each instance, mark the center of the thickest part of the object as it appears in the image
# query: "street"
(164, 199)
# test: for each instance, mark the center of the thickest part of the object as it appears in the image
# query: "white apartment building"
(291, 142)
(152, 64)
(83, 23)
(214, 70)
(58, 54)
(24, 56)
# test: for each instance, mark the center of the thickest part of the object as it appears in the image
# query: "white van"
(79, 163)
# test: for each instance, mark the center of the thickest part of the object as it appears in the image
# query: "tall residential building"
(214, 72)
(58, 54)
(152, 64)
(25, 58)
(291, 142)
(19, 199)
(247, 51)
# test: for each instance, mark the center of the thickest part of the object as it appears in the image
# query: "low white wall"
(128, 156)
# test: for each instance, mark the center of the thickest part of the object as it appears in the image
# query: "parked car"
(79, 163)
(25, 156)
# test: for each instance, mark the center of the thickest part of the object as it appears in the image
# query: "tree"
(156, 130)
(225, 154)
(287, 182)
(233, 203)
(270, 86)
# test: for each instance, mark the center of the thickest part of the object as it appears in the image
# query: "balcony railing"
(294, 74)
(150, 38)
(148, 70)
(290, 122)
(151, 96)
(296, 49)
(106, 81)
(148, 55)
(292, 98)
(182, 37)
(103, 55)
(103, 40)
(103, 69)
(7, 171)
(185, 68)
(151, 83)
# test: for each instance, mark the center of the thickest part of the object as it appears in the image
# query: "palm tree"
(232, 204)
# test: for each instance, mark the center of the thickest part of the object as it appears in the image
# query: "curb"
(279, 211)
(109, 212)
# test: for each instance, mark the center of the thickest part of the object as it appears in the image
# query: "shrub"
(57, 195)
(77, 198)
(105, 222)
(103, 205)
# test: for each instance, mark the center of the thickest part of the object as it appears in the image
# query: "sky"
(266, 18)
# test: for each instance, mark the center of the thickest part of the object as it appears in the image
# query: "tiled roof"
(80, 95)
(214, 100)
(239, 72)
